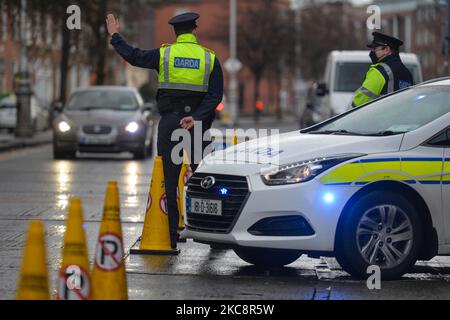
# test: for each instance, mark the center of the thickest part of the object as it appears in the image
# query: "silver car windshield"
(103, 99)
(399, 113)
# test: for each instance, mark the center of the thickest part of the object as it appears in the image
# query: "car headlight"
(64, 126)
(132, 127)
(304, 171)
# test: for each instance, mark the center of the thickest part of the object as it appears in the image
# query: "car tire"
(380, 228)
(140, 154)
(267, 257)
(58, 154)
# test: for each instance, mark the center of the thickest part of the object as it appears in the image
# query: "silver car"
(104, 119)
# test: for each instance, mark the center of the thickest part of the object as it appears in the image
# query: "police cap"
(380, 39)
(184, 18)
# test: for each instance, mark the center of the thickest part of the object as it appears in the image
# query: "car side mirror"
(321, 89)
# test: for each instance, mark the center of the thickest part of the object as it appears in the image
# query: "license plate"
(96, 140)
(204, 206)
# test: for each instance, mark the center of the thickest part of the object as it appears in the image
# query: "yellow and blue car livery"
(407, 170)
(369, 186)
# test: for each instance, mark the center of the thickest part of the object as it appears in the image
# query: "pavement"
(34, 186)
(10, 141)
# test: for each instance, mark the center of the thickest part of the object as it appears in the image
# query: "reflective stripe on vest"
(185, 65)
(390, 74)
(368, 93)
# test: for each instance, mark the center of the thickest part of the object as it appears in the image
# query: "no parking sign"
(109, 252)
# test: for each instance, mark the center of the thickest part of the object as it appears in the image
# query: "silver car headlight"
(132, 127)
(305, 170)
(63, 126)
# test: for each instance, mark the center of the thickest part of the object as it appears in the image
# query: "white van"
(344, 74)
(8, 114)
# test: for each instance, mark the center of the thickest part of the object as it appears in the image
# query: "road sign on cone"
(109, 280)
(33, 281)
(74, 281)
(155, 239)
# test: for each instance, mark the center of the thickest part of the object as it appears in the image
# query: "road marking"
(323, 271)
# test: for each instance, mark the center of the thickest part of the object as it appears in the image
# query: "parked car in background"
(344, 74)
(104, 119)
(8, 114)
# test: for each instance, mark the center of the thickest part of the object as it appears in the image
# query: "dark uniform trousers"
(170, 122)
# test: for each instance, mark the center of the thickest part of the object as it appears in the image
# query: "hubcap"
(384, 236)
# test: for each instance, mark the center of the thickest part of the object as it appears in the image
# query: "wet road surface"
(34, 186)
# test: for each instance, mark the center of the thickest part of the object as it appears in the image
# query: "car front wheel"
(382, 229)
(57, 154)
(264, 257)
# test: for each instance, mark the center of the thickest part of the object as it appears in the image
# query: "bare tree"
(325, 27)
(264, 42)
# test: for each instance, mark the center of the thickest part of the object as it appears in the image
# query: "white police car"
(370, 186)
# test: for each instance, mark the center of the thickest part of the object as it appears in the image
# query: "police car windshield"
(395, 114)
(103, 99)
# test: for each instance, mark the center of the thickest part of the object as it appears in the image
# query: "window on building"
(16, 25)
(48, 31)
(419, 15)
(432, 59)
(2, 20)
(432, 13)
(418, 38)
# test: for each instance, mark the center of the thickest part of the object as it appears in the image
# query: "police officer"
(190, 88)
(387, 73)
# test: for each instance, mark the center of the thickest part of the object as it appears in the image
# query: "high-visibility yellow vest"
(373, 85)
(185, 65)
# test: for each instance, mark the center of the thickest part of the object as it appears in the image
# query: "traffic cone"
(109, 280)
(33, 281)
(185, 174)
(74, 281)
(234, 139)
(155, 239)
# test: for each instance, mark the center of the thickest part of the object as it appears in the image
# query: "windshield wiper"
(90, 108)
(386, 133)
(338, 132)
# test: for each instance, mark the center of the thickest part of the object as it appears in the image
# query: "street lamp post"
(23, 88)
(233, 65)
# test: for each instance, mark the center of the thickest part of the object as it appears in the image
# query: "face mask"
(373, 57)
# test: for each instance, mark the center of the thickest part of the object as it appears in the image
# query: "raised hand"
(112, 24)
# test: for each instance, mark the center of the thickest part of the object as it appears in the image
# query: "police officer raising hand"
(190, 88)
(112, 24)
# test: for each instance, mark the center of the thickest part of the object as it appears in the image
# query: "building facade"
(421, 25)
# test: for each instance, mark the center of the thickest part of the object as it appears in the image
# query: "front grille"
(96, 129)
(232, 203)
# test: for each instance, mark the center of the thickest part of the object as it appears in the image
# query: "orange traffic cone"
(234, 139)
(33, 281)
(155, 239)
(109, 280)
(74, 282)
